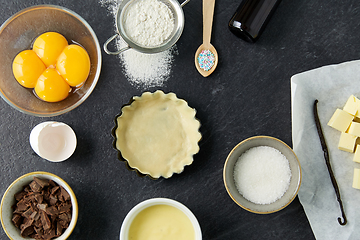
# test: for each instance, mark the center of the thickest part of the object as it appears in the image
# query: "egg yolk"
(48, 47)
(52, 67)
(27, 67)
(74, 65)
(51, 87)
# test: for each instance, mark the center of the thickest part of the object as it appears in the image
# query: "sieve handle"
(117, 52)
(185, 2)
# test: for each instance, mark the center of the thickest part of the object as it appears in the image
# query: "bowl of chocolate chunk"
(39, 205)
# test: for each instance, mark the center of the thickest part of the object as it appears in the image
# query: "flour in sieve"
(149, 22)
(142, 70)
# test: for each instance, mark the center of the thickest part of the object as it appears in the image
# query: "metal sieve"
(179, 21)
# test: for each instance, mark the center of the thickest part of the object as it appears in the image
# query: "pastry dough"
(158, 134)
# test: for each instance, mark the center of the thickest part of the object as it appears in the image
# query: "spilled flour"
(142, 70)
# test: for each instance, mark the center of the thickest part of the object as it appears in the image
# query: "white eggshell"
(53, 141)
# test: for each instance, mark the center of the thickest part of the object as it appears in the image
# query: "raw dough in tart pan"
(158, 134)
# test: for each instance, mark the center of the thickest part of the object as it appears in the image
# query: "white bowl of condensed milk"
(160, 218)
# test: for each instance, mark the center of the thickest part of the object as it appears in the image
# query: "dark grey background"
(247, 95)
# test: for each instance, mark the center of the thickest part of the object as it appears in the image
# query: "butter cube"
(356, 157)
(347, 142)
(354, 129)
(356, 178)
(352, 105)
(340, 120)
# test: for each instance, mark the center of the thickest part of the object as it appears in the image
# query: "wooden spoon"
(208, 13)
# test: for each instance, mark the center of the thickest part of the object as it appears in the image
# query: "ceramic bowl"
(124, 232)
(295, 181)
(18, 34)
(8, 201)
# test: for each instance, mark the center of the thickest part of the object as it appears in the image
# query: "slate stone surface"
(247, 95)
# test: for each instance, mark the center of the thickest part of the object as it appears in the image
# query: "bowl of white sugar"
(262, 174)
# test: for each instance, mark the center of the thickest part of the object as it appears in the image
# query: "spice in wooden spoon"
(206, 57)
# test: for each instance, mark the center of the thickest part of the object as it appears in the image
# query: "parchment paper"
(331, 85)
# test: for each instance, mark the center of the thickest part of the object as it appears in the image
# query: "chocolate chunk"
(42, 182)
(27, 213)
(46, 194)
(20, 195)
(39, 231)
(27, 189)
(42, 210)
(34, 216)
(61, 198)
(65, 194)
(35, 187)
(25, 232)
(52, 183)
(27, 221)
(64, 217)
(39, 198)
(53, 211)
(45, 220)
(49, 234)
(53, 200)
(30, 197)
(17, 220)
(64, 224)
(38, 223)
(54, 189)
(22, 206)
(42, 206)
(26, 229)
(64, 207)
(59, 229)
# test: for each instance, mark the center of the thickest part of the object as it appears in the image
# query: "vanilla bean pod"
(327, 161)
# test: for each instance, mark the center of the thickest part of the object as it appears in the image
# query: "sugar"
(262, 175)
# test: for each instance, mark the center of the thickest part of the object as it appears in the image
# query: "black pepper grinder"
(251, 18)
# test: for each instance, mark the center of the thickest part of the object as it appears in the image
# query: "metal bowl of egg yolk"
(19, 33)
